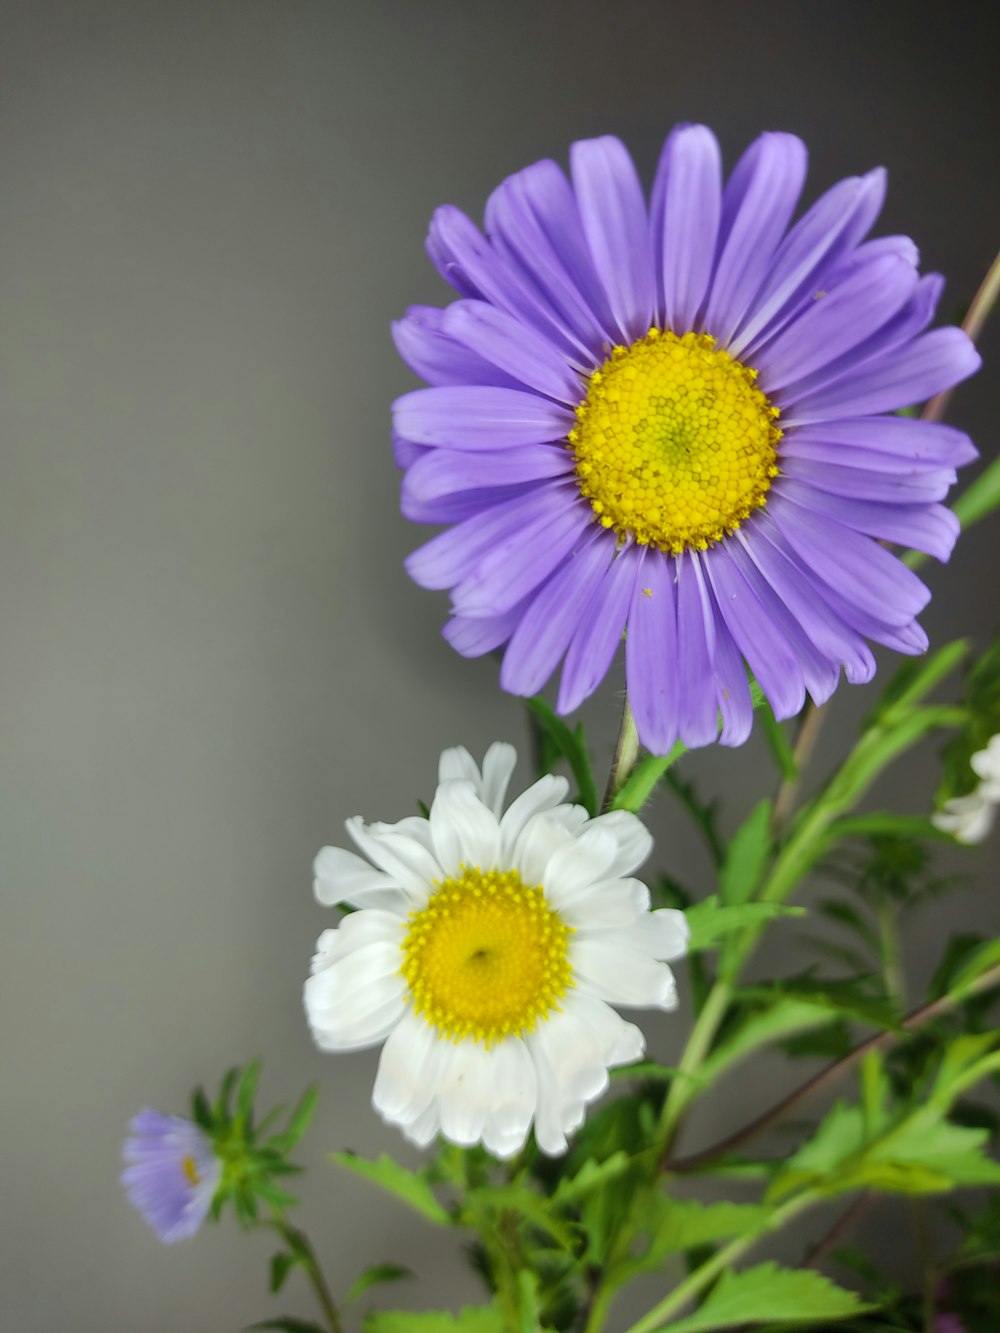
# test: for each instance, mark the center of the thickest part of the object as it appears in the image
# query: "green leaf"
(980, 498)
(682, 1224)
(298, 1122)
(915, 679)
(646, 774)
(899, 826)
(783, 1017)
(985, 958)
(842, 995)
(747, 856)
(789, 1295)
(282, 1264)
(371, 1277)
(845, 914)
(472, 1319)
(246, 1090)
(527, 1204)
(201, 1111)
(709, 923)
(570, 745)
(395, 1179)
(778, 743)
(592, 1175)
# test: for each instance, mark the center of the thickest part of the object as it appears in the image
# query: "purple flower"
(172, 1173)
(678, 419)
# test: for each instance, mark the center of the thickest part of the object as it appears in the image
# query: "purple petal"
(907, 375)
(521, 560)
(613, 214)
(506, 343)
(534, 222)
(599, 632)
(554, 616)
(448, 558)
(651, 654)
(925, 443)
(820, 238)
(758, 202)
(860, 570)
(863, 254)
(772, 661)
(731, 685)
(456, 508)
(429, 352)
(446, 471)
(477, 417)
(696, 690)
(472, 636)
(684, 222)
(794, 585)
(930, 527)
(837, 323)
(404, 452)
(900, 482)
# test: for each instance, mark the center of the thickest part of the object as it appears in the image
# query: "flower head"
(172, 1173)
(970, 818)
(486, 951)
(678, 420)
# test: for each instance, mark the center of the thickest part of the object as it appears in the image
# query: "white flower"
(986, 765)
(486, 952)
(967, 818)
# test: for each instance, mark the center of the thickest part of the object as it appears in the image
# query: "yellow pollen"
(675, 445)
(487, 957)
(190, 1168)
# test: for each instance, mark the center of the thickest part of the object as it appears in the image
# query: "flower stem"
(301, 1248)
(977, 314)
(626, 755)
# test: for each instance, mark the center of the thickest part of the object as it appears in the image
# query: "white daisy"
(486, 951)
(986, 765)
(967, 818)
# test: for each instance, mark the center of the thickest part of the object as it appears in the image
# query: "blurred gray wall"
(209, 213)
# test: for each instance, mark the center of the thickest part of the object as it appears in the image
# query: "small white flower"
(986, 765)
(486, 953)
(967, 818)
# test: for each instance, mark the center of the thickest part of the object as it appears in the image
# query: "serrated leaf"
(570, 744)
(683, 1224)
(746, 857)
(525, 1202)
(769, 1292)
(372, 1277)
(782, 1017)
(472, 1319)
(591, 1176)
(842, 995)
(708, 922)
(413, 1189)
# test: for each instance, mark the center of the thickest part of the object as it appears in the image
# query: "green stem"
(684, 1089)
(697, 1281)
(299, 1245)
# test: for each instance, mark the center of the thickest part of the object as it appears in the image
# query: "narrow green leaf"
(779, 745)
(571, 746)
(915, 679)
(846, 914)
(201, 1111)
(782, 1017)
(592, 1175)
(247, 1090)
(413, 1189)
(526, 1203)
(843, 995)
(789, 1295)
(372, 1277)
(985, 958)
(646, 774)
(298, 1123)
(683, 1224)
(980, 498)
(747, 856)
(282, 1264)
(709, 923)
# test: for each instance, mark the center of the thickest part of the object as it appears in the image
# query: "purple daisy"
(676, 421)
(172, 1173)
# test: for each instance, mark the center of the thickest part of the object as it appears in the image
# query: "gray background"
(209, 212)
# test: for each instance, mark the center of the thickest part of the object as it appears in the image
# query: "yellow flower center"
(190, 1168)
(487, 957)
(674, 443)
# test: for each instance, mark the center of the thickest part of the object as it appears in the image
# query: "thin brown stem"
(881, 1041)
(626, 754)
(976, 316)
(844, 1223)
(805, 742)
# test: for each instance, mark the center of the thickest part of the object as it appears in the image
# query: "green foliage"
(767, 1291)
(710, 923)
(747, 856)
(672, 1226)
(410, 1186)
(375, 1276)
(287, 1324)
(558, 741)
(472, 1319)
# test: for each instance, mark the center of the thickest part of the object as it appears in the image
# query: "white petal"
(662, 934)
(458, 763)
(578, 864)
(465, 832)
(543, 795)
(539, 840)
(424, 1128)
(620, 975)
(609, 902)
(465, 1092)
(499, 763)
(356, 1000)
(400, 856)
(515, 1099)
(341, 874)
(967, 818)
(368, 926)
(635, 842)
